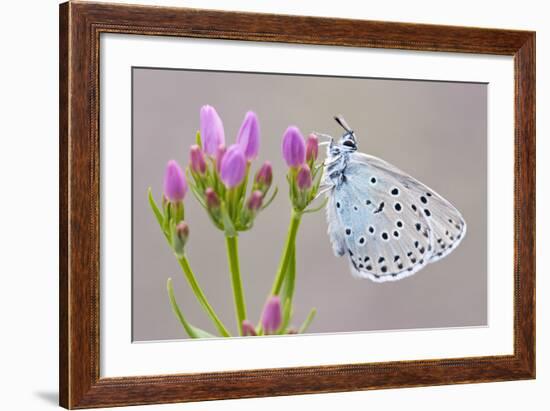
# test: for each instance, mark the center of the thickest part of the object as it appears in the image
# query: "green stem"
(184, 264)
(287, 290)
(236, 282)
(295, 219)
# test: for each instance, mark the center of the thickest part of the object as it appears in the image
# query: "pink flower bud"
(264, 176)
(255, 201)
(248, 329)
(233, 166)
(182, 230)
(175, 185)
(312, 148)
(303, 179)
(196, 158)
(180, 237)
(249, 136)
(294, 149)
(271, 315)
(212, 133)
(212, 200)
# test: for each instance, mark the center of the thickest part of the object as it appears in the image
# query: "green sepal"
(178, 212)
(198, 140)
(268, 202)
(319, 207)
(197, 194)
(241, 190)
(192, 331)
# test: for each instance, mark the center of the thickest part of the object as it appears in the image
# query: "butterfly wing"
(448, 225)
(378, 217)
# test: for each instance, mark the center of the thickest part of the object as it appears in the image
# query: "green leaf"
(192, 331)
(154, 207)
(308, 321)
(287, 314)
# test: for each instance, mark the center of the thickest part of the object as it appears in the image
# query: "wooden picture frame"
(80, 27)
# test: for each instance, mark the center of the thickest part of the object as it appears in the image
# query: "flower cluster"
(219, 174)
(275, 319)
(304, 175)
(171, 218)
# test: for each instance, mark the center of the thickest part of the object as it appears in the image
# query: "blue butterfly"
(388, 224)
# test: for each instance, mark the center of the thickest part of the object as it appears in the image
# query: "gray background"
(435, 131)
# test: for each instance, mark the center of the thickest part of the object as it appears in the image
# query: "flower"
(264, 176)
(293, 147)
(179, 238)
(248, 328)
(212, 200)
(196, 158)
(212, 134)
(303, 179)
(255, 201)
(249, 136)
(233, 166)
(175, 185)
(312, 148)
(271, 315)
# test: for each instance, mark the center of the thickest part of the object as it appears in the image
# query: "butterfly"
(388, 224)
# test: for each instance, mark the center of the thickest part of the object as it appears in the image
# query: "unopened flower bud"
(175, 185)
(294, 149)
(312, 148)
(303, 179)
(271, 315)
(255, 201)
(212, 200)
(179, 238)
(212, 134)
(264, 176)
(196, 158)
(233, 166)
(248, 329)
(249, 136)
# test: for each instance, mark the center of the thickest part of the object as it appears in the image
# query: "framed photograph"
(260, 205)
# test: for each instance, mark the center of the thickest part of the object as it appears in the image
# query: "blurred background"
(435, 131)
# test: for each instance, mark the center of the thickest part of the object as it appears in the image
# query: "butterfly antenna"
(340, 120)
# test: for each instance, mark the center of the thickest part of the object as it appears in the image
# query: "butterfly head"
(338, 153)
(347, 142)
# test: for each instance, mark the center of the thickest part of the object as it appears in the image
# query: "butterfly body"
(388, 224)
